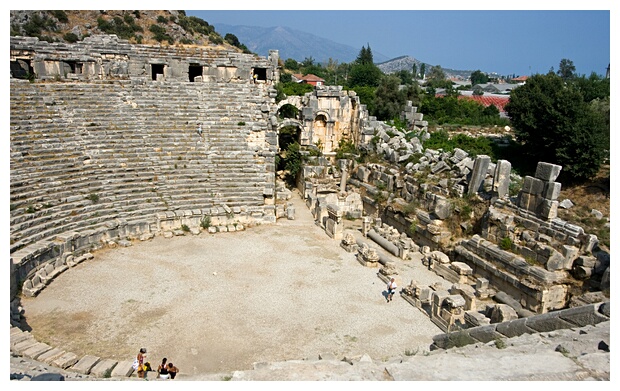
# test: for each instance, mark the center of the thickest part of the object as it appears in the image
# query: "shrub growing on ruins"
(185, 227)
(506, 244)
(345, 147)
(70, 37)
(93, 197)
(205, 222)
(500, 343)
(458, 339)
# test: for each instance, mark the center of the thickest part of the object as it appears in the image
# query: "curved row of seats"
(86, 153)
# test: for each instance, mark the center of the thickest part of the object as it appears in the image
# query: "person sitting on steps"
(162, 370)
(172, 370)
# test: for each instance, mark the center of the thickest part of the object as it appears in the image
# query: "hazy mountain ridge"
(406, 63)
(291, 43)
(300, 45)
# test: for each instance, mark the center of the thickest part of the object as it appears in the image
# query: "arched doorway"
(320, 133)
(289, 157)
(288, 111)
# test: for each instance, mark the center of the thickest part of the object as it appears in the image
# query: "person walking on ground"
(199, 130)
(172, 370)
(141, 359)
(391, 288)
(162, 370)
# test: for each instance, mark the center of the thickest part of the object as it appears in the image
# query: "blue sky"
(522, 42)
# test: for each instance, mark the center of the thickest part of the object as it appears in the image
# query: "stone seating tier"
(133, 146)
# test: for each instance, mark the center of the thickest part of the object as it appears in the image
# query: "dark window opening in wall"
(195, 70)
(157, 69)
(261, 73)
(21, 69)
(75, 67)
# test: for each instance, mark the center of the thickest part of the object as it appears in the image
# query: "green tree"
(405, 76)
(365, 75)
(291, 64)
(557, 125)
(414, 71)
(567, 69)
(422, 71)
(363, 71)
(477, 77)
(593, 87)
(367, 96)
(436, 74)
(389, 100)
(365, 56)
(232, 39)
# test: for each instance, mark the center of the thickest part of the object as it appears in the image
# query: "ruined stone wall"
(106, 57)
(541, 258)
(328, 115)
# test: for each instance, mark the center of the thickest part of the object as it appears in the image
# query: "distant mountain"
(291, 43)
(406, 62)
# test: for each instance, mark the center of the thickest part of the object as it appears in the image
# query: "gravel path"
(217, 303)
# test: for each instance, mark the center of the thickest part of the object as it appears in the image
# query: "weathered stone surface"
(551, 190)
(501, 313)
(36, 350)
(481, 165)
(532, 185)
(123, 369)
(582, 316)
(547, 172)
(51, 355)
(501, 178)
(513, 328)
(24, 345)
(484, 333)
(547, 322)
(443, 208)
(85, 364)
(103, 368)
(66, 360)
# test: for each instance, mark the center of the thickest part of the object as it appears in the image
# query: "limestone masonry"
(105, 149)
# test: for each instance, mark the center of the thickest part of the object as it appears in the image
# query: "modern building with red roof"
(498, 101)
(308, 79)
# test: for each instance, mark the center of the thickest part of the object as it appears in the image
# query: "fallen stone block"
(85, 364)
(66, 360)
(547, 172)
(36, 350)
(123, 369)
(20, 347)
(103, 368)
(16, 338)
(51, 355)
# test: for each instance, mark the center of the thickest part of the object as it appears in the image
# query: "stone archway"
(322, 132)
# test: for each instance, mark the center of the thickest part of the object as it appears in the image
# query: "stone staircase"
(84, 154)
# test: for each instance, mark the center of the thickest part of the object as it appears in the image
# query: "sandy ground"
(220, 302)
